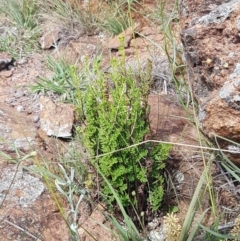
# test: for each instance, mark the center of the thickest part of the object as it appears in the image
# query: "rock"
(10, 100)
(124, 38)
(28, 211)
(6, 73)
(97, 226)
(221, 114)
(155, 235)
(20, 108)
(77, 50)
(5, 60)
(35, 118)
(22, 61)
(16, 131)
(169, 122)
(56, 119)
(211, 41)
(56, 229)
(83, 49)
(51, 144)
(49, 39)
(18, 93)
(67, 54)
(24, 190)
(148, 30)
(23, 144)
(154, 223)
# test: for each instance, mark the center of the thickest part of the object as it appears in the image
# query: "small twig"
(17, 227)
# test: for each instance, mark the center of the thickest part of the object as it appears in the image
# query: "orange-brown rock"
(96, 227)
(169, 122)
(15, 130)
(211, 40)
(49, 39)
(28, 210)
(124, 38)
(56, 119)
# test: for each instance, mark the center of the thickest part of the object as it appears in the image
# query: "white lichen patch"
(19, 187)
(230, 90)
(219, 14)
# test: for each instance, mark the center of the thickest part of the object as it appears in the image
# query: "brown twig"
(17, 227)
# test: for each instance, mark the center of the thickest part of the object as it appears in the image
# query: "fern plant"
(117, 118)
(113, 124)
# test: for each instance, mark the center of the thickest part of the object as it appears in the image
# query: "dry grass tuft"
(236, 230)
(172, 227)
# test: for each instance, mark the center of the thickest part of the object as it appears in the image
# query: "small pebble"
(9, 100)
(35, 118)
(18, 94)
(6, 73)
(20, 108)
(153, 224)
(29, 111)
(37, 125)
(10, 67)
(26, 93)
(155, 235)
(22, 61)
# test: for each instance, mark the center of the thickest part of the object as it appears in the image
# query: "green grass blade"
(134, 234)
(192, 208)
(225, 236)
